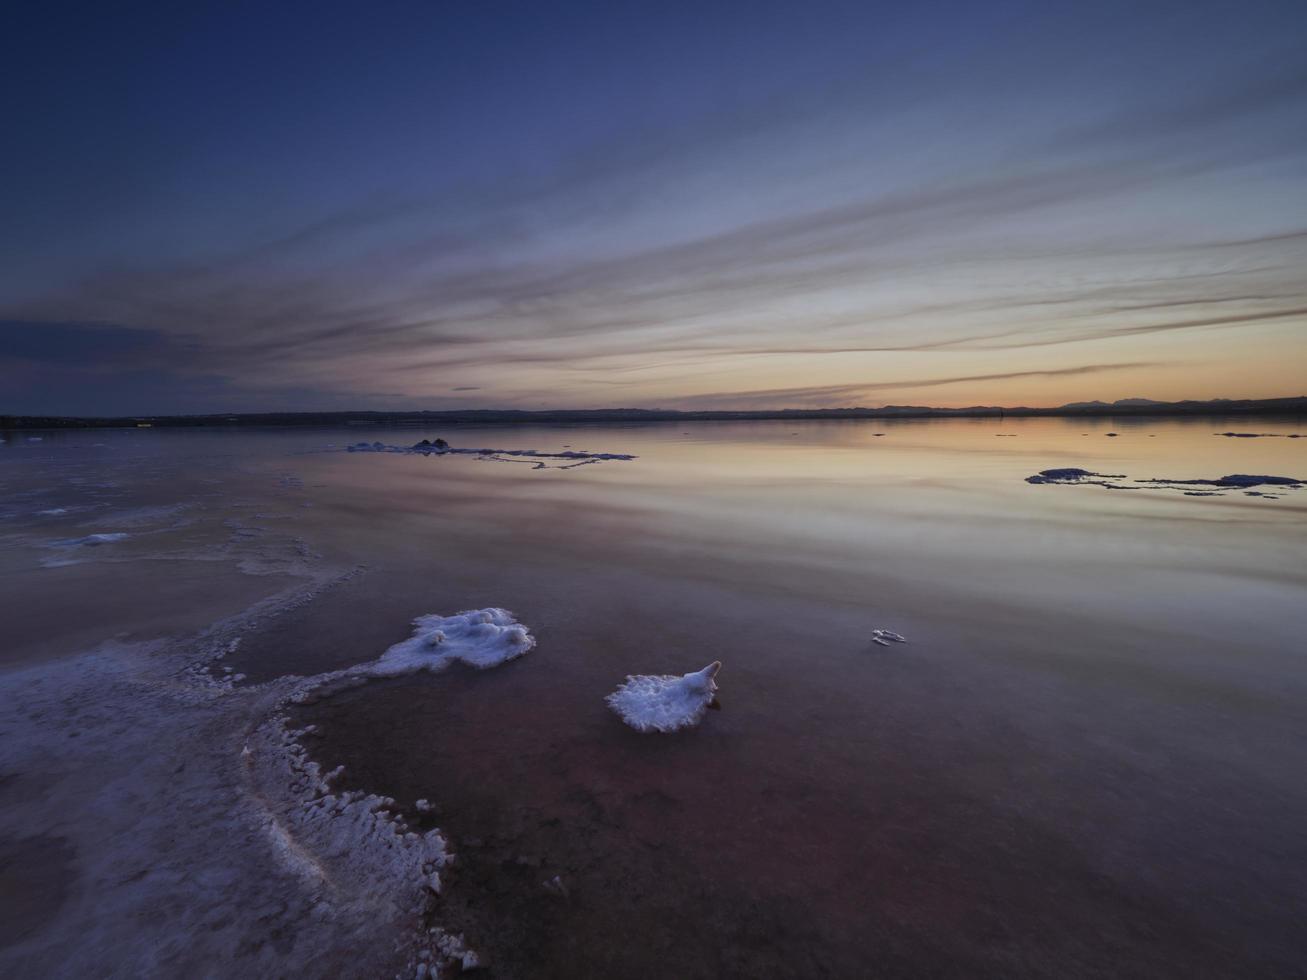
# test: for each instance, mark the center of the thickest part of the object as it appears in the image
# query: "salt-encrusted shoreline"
(181, 790)
(325, 837)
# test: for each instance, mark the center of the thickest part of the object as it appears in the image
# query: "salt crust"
(180, 789)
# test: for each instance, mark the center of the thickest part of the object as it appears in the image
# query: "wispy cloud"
(569, 281)
(847, 395)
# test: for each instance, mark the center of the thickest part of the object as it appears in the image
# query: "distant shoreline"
(1251, 408)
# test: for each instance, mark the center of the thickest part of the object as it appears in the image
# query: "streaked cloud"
(851, 395)
(885, 229)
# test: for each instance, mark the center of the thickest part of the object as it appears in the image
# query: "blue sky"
(226, 207)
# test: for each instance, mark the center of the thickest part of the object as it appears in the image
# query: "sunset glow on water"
(1099, 698)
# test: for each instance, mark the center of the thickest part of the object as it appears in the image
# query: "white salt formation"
(885, 637)
(361, 835)
(266, 867)
(90, 541)
(480, 638)
(665, 702)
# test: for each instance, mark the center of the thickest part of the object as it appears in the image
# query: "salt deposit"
(90, 541)
(665, 702)
(222, 816)
(887, 637)
(480, 638)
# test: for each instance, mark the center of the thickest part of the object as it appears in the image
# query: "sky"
(225, 207)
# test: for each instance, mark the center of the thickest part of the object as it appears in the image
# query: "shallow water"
(1086, 761)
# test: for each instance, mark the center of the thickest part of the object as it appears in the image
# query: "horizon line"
(1293, 404)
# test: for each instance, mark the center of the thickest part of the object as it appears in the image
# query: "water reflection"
(1087, 760)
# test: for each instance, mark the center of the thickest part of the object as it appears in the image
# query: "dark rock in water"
(1111, 435)
(1244, 480)
(1073, 476)
(1260, 435)
(429, 445)
(439, 447)
(1070, 475)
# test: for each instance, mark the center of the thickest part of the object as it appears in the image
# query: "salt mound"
(665, 702)
(480, 638)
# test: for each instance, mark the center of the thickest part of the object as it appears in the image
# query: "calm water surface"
(1087, 761)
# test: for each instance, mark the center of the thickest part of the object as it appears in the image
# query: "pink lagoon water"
(1086, 761)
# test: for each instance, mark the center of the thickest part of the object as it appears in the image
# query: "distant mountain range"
(1119, 403)
(1125, 407)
